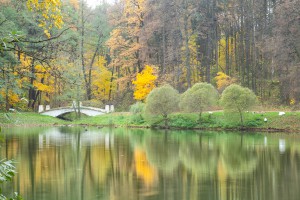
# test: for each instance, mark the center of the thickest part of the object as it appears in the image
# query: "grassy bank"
(217, 120)
(28, 119)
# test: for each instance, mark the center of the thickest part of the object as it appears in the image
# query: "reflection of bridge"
(90, 111)
(84, 137)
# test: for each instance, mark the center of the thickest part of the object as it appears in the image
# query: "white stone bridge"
(90, 111)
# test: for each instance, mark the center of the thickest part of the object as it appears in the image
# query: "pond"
(77, 163)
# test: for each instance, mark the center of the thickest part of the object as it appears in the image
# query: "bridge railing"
(108, 108)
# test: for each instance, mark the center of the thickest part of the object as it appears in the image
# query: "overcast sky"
(94, 3)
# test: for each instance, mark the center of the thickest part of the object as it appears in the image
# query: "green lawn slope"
(28, 119)
(263, 121)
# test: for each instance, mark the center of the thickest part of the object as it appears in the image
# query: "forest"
(56, 51)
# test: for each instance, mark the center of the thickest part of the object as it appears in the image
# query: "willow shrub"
(161, 102)
(199, 98)
(237, 99)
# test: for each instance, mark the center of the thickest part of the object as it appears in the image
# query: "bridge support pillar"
(41, 108)
(112, 108)
(109, 108)
(47, 107)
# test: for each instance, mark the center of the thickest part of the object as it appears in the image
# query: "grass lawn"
(289, 121)
(28, 119)
(217, 120)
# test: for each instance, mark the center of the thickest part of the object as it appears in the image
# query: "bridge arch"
(90, 111)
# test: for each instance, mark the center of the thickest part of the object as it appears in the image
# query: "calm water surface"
(71, 163)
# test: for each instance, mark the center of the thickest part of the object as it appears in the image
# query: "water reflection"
(75, 163)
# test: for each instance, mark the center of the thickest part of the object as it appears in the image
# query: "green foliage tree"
(238, 99)
(198, 98)
(162, 101)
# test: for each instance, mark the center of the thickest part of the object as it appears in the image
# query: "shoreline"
(242, 129)
(218, 121)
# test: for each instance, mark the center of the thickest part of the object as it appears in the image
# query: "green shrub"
(162, 102)
(136, 111)
(207, 121)
(254, 123)
(199, 98)
(237, 99)
(182, 120)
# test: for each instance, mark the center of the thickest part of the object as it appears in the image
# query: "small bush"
(207, 121)
(181, 120)
(137, 110)
(254, 123)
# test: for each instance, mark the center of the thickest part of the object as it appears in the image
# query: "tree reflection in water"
(71, 163)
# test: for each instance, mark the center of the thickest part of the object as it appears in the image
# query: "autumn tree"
(48, 13)
(127, 20)
(32, 48)
(103, 86)
(223, 81)
(144, 83)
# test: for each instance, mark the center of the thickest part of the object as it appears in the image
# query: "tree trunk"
(241, 117)
(110, 84)
(227, 53)
(164, 50)
(83, 67)
(187, 52)
(166, 121)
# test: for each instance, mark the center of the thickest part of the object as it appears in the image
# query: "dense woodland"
(53, 52)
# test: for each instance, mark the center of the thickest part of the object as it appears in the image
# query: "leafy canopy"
(49, 13)
(198, 98)
(162, 101)
(144, 83)
(236, 98)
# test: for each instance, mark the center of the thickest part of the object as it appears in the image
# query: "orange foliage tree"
(127, 18)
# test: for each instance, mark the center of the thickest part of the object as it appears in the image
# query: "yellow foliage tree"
(223, 81)
(144, 83)
(102, 85)
(49, 12)
(11, 96)
(43, 82)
